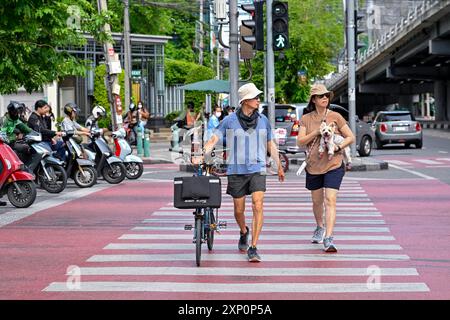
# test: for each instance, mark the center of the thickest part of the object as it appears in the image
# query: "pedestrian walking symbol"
(280, 41)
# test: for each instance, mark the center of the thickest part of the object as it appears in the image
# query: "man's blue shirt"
(247, 150)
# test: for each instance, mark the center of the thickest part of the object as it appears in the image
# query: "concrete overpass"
(412, 58)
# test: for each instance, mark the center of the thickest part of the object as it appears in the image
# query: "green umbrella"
(220, 86)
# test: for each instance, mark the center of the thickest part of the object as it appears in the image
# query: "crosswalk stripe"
(262, 272)
(243, 257)
(271, 221)
(145, 236)
(284, 246)
(267, 213)
(110, 286)
(426, 161)
(399, 162)
(280, 229)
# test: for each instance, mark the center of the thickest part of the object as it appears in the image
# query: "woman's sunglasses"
(320, 96)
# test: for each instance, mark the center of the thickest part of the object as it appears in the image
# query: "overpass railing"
(418, 13)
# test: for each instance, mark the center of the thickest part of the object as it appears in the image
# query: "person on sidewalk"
(323, 176)
(249, 136)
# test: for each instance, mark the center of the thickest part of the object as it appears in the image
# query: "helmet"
(132, 106)
(98, 111)
(15, 109)
(69, 107)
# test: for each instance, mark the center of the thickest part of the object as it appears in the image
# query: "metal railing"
(418, 13)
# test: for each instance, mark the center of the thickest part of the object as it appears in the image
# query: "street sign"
(136, 73)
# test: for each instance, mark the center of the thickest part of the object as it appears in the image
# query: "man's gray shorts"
(240, 185)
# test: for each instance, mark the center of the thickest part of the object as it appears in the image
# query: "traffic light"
(256, 25)
(280, 25)
(358, 30)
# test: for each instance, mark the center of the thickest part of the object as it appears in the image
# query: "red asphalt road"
(36, 251)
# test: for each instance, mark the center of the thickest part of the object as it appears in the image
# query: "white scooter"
(133, 164)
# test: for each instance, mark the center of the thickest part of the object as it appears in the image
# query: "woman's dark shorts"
(240, 185)
(332, 179)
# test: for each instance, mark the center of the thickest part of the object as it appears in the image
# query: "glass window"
(396, 117)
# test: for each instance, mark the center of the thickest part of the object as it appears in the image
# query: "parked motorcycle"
(49, 171)
(110, 166)
(133, 164)
(17, 183)
(80, 169)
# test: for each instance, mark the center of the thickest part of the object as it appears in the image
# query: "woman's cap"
(319, 89)
(248, 91)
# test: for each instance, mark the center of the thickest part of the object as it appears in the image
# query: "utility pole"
(234, 54)
(127, 47)
(270, 67)
(113, 68)
(351, 51)
(200, 58)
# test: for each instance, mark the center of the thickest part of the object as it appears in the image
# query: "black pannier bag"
(197, 192)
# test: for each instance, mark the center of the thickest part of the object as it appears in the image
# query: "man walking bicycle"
(249, 138)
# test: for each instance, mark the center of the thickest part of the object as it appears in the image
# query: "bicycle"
(206, 218)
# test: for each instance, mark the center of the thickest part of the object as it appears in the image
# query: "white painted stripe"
(229, 208)
(269, 246)
(262, 272)
(280, 229)
(399, 162)
(228, 213)
(19, 214)
(443, 159)
(361, 197)
(426, 161)
(282, 205)
(243, 257)
(443, 166)
(253, 287)
(144, 236)
(268, 221)
(413, 172)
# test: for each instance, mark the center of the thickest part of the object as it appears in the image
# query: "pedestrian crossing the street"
(157, 257)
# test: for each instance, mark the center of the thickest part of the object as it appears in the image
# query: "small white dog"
(328, 141)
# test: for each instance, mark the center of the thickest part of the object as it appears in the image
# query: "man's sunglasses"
(320, 96)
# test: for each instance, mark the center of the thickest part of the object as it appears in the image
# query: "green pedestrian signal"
(280, 25)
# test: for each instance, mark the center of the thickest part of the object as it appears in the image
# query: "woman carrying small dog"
(323, 175)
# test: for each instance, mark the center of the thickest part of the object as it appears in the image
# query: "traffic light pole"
(351, 52)
(270, 66)
(234, 54)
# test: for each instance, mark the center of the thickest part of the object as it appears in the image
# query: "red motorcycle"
(17, 183)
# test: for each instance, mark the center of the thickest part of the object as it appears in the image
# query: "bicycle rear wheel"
(198, 238)
(211, 222)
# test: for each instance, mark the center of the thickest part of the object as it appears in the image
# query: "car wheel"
(419, 144)
(365, 147)
(408, 145)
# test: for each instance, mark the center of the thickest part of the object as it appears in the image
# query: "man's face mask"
(218, 114)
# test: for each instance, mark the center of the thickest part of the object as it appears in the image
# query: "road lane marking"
(111, 286)
(262, 272)
(229, 214)
(145, 236)
(269, 221)
(426, 161)
(241, 257)
(268, 246)
(281, 229)
(413, 172)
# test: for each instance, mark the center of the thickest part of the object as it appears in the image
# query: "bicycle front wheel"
(198, 240)
(211, 225)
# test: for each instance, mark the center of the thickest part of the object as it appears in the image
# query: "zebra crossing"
(437, 162)
(157, 256)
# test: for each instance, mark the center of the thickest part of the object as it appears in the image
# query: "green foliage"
(170, 117)
(100, 92)
(31, 34)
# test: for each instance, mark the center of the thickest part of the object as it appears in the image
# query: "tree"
(33, 35)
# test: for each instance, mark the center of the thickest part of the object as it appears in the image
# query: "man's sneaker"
(253, 255)
(319, 233)
(243, 240)
(328, 245)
